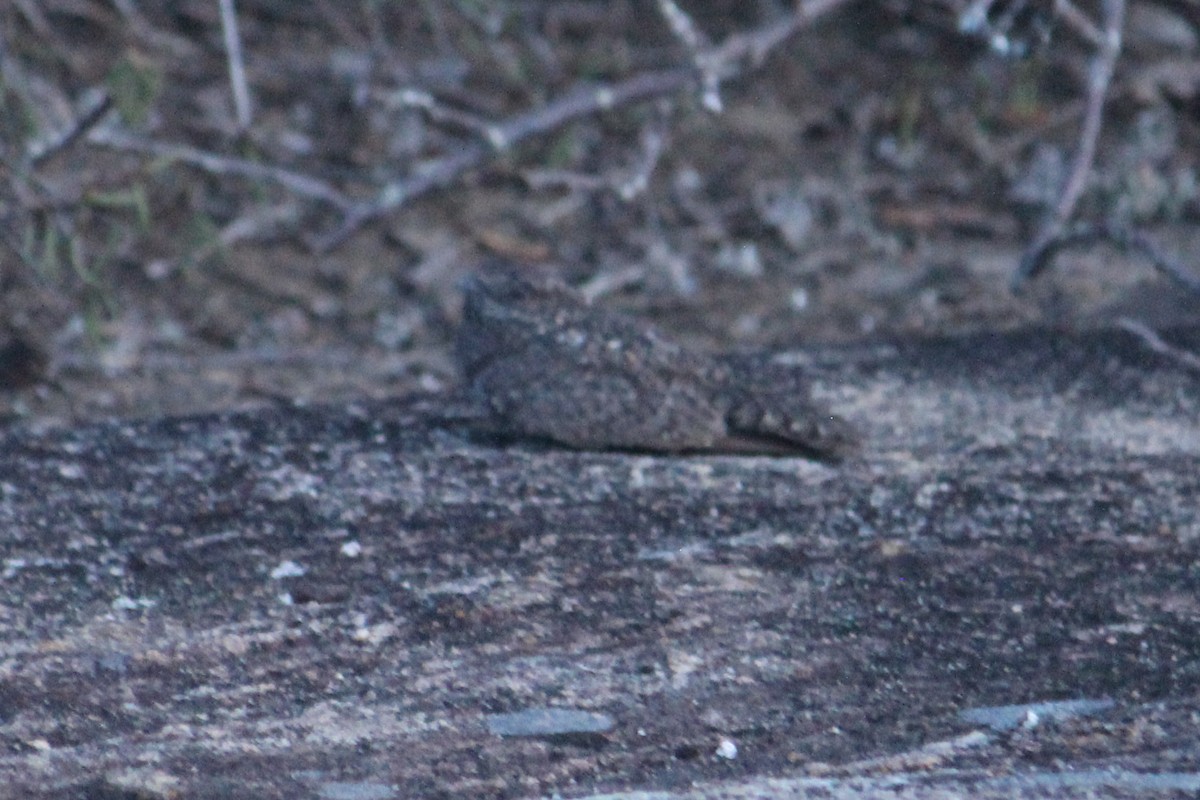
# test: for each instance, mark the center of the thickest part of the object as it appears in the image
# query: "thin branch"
(697, 43)
(1099, 77)
(754, 46)
(1080, 23)
(301, 184)
(974, 20)
(1100, 72)
(95, 107)
(438, 112)
(35, 17)
(654, 141)
(178, 46)
(237, 67)
(585, 101)
(1127, 239)
(1155, 343)
(683, 26)
(626, 184)
(581, 102)
(726, 61)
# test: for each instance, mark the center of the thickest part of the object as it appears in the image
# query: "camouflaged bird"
(540, 363)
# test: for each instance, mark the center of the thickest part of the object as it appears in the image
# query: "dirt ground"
(877, 176)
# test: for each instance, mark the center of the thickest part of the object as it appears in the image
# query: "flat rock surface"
(341, 602)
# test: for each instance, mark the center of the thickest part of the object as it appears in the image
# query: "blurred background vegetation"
(208, 204)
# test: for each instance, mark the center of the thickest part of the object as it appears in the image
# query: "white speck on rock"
(71, 472)
(727, 749)
(123, 603)
(287, 569)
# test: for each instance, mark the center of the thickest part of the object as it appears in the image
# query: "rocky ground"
(243, 553)
(997, 597)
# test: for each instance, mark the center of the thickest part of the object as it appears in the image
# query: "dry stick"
(237, 68)
(1079, 22)
(1100, 73)
(654, 141)
(1127, 239)
(304, 185)
(438, 113)
(144, 32)
(756, 45)
(35, 17)
(1155, 343)
(974, 19)
(683, 26)
(581, 102)
(726, 61)
(41, 150)
(625, 184)
(697, 44)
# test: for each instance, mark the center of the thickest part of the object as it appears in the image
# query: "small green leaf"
(134, 83)
(48, 256)
(131, 199)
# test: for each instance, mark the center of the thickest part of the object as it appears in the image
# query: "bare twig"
(754, 46)
(1079, 22)
(654, 140)
(35, 17)
(237, 68)
(697, 43)
(626, 184)
(95, 107)
(301, 184)
(581, 102)
(683, 26)
(440, 113)
(607, 282)
(584, 101)
(1128, 239)
(1154, 342)
(1099, 76)
(736, 54)
(178, 46)
(974, 19)
(1100, 73)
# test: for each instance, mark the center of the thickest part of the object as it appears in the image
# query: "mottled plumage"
(543, 364)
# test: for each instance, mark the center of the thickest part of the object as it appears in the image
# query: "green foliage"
(42, 246)
(135, 85)
(129, 199)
